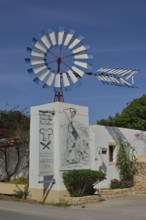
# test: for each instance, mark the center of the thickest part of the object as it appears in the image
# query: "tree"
(133, 116)
(11, 122)
(14, 142)
(106, 122)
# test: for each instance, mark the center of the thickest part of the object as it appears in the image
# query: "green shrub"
(120, 184)
(115, 184)
(126, 161)
(80, 182)
(22, 193)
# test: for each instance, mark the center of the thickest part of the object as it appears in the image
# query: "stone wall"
(84, 200)
(139, 185)
(140, 178)
(116, 193)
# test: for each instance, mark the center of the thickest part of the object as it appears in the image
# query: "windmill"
(60, 59)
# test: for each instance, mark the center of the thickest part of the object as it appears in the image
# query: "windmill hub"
(59, 60)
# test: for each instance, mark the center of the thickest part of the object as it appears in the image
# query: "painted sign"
(46, 146)
(75, 143)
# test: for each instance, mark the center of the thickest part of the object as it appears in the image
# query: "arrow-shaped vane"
(115, 76)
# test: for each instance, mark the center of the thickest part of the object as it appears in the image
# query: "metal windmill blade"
(58, 59)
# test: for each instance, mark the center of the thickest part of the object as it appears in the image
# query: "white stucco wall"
(99, 137)
(59, 123)
(102, 137)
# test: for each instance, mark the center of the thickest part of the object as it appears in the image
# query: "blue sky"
(115, 30)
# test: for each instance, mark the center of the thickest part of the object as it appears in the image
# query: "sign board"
(46, 143)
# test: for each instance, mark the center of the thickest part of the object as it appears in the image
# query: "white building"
(62, 139)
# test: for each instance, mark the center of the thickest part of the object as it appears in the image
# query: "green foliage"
(20, 180)
(115, 184)
(80, 182)
(106, 122)
(133, 116)
(120, 184)
(22, 193)
(126, 161)
(11, 122)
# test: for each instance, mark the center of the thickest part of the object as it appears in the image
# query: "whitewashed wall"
(80, 147)
(102, 137)
(61, 120)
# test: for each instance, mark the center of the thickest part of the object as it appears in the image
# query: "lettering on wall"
(46, 146)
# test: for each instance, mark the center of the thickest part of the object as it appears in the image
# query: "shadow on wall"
(103, 167)
(49, 181)
(117, 135)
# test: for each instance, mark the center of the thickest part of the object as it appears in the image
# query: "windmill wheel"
(58, 59)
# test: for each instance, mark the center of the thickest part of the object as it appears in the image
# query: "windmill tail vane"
(116, 76)
(59, 59)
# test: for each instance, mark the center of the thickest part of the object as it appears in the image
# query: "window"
(112, 153)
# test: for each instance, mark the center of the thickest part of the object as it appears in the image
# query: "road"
(127, 208)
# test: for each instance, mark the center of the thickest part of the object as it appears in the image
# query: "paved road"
(127, 208)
